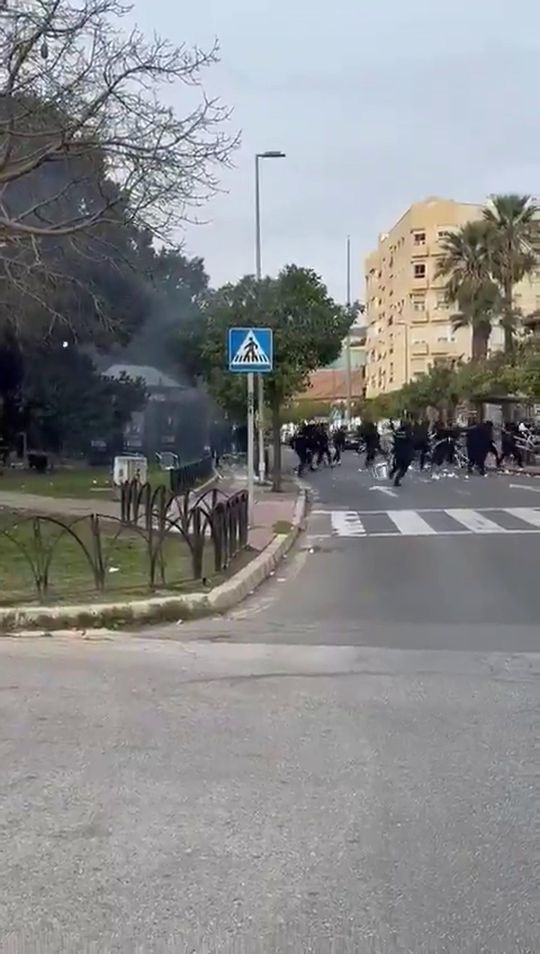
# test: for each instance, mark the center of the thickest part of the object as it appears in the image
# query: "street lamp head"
(271, 154)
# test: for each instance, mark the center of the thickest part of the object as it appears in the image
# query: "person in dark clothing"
(339, 444)
(403, 452)
(444, 445)
(323, 446)
(300, 444)
(509, 445)
(421, 441)
(492, 447)
(310, 434)
(478, 441)
(370, 436)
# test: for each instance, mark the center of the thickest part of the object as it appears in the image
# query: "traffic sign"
(250, 350)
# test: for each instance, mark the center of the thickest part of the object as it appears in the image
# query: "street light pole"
(258, 265)
(348, 339)
(270, 154)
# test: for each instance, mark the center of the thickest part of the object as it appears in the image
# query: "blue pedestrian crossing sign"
(250, 349)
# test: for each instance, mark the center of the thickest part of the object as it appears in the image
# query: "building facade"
(409, 326)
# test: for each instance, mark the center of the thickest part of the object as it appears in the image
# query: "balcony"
(419, 347)
(445, 347)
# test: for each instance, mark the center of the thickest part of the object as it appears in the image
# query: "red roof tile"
(331, 385)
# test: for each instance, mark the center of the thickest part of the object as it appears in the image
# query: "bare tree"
(78, 93)
(90, 147)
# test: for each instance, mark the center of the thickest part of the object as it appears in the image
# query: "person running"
(403, 452)
(370, 435)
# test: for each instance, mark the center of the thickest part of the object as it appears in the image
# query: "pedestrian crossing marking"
(420, 523)
(475, 522)
(250, 353)
(347, 523)
(528, 514)
(410, 523)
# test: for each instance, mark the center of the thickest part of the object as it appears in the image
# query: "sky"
(376, 103)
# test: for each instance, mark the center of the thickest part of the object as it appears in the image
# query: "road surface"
(347, 763)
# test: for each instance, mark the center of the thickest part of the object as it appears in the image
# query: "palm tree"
(515, 224)
(479, 311)
(466, 264)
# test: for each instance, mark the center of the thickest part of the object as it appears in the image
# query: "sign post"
(250, 350)
(251, 444)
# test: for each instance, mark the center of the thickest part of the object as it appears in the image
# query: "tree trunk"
(480, 340)
(508, 316)
(276, 444)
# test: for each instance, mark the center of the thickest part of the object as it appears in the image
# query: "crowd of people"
(439, 444)
(314, 445)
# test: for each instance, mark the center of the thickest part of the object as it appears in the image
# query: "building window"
(419, 238)
(441, 303)
(444, 233)
(446, 334)
(419, 270)
(418, 302)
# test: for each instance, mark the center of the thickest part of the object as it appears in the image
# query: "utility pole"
(348, 340)
(269, 154)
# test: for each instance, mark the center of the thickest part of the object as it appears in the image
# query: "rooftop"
(152, 377)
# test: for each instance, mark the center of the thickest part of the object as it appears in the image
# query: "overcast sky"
(377, 103)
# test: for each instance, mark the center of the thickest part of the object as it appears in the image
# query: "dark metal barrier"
(187, 476)
(169, 535)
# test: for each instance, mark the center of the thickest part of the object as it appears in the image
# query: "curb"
(158, 609)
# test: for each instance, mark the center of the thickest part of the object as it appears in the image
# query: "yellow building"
(409, 327)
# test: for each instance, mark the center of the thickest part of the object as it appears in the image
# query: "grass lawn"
(85, 482)
(71, 578)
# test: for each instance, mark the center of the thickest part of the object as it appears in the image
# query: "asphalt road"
(348, 763)
(450, 589)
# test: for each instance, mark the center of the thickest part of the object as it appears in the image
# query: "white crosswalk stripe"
(410, 523)
(432, 522)
(347, 523)
(475, 522)
(528, 514)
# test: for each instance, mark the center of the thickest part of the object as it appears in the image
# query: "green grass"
(88, 482)
(71, 578)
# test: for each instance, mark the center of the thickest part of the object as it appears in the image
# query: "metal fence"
(187, 476)
(160, 540)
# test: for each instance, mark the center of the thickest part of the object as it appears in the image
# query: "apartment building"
(409, 327)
